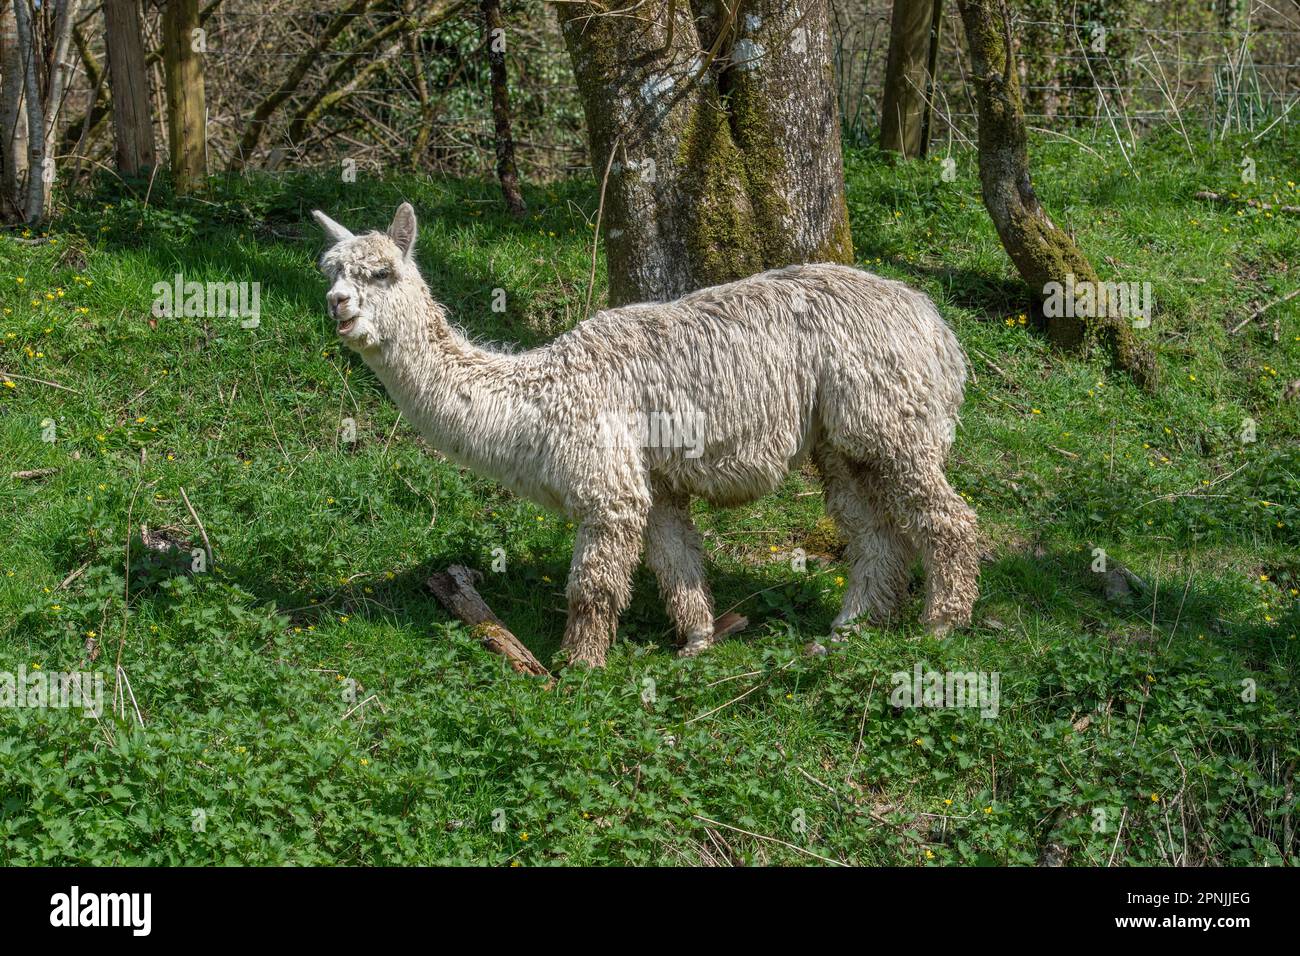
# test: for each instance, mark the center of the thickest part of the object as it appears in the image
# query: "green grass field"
(307, 701)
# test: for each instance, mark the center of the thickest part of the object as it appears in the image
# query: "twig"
(28, 378)
(1215, 197)
(1195, 491)
(600, 211)
(735, 700)
(1260, 311)
(455, 589)
(770, 839)
(1118, 833)
(207, 545)
(127, 682)
(72, 577)
(356, 706)
(32, 473)
(126, 580)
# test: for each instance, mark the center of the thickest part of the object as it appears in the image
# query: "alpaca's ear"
(332, 229)
(402, 231)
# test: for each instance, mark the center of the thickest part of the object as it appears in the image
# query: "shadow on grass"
(207, 235)
(1018, 589)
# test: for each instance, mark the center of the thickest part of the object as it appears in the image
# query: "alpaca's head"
(376, 289)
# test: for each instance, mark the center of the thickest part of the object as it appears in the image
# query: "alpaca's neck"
(467, 401)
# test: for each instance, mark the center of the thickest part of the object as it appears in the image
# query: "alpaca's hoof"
(941, 625)
(695, 647)
(841, 631)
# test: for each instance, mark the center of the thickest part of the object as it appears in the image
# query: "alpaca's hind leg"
(675, 555)
(877, 553)
(600, 583)
(917, 491)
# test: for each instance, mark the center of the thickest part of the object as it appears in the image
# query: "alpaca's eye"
(382, 275)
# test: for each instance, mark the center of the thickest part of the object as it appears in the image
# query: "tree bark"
(33, 197)
(13, 119)
(36, 70)
(507, 171)
(186, 103)
(101, 107)
(1041, 251)
(455, 589)
(907, 78)
(132, 116)
(720, 126)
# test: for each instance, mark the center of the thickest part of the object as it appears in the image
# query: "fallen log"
(1261, 310)
(32, 474)
(1228, 201)
(455, 589)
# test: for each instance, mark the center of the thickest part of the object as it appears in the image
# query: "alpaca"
(720, 394)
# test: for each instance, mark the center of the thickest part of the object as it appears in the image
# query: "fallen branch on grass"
(455, 589)
(27, 378)
(32, 473)
(1215, 197)
(1261, 310)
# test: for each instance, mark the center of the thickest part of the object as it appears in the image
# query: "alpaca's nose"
(337, 300)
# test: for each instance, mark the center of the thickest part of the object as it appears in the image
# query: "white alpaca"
(618, 422)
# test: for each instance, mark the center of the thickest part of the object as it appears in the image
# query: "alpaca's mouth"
(345, 327)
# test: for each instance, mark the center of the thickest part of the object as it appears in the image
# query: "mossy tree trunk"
(1041, 251)
(720, 129)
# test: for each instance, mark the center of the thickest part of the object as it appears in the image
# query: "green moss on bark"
(721, 238)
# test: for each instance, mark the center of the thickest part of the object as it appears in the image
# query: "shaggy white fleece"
(720, 394)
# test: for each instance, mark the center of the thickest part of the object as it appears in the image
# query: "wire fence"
(404, 83)
(1141, 66)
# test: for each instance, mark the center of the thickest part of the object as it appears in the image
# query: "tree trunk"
(13, 120)
(132, 116)
(38, 170)
(186, 104)
(507, 172)
(1042, 252)
(907, 78)
(720, 128)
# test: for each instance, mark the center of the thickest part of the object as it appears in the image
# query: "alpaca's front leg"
(600, 583)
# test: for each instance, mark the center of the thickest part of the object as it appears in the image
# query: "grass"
(306, 700)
